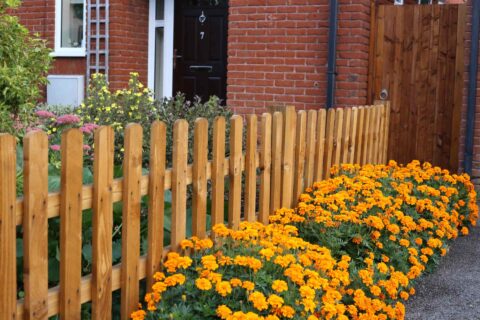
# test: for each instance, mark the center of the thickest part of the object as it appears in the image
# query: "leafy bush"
(137, 104)
(351, 249)
(25, 61)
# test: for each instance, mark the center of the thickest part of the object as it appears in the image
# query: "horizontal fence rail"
(285, 152)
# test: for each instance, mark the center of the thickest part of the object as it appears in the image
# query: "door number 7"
(202, 35)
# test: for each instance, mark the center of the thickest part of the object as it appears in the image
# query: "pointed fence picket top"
(285, 152)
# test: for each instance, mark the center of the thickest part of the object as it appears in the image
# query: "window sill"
(80, 53)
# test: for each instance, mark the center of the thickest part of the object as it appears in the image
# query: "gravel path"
(453, 291)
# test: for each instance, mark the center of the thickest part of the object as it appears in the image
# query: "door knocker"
(202, 17)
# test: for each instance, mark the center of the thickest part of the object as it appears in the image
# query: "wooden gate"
(417, 63)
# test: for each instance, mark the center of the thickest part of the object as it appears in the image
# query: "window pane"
(158, 87)
(72, 23)
(160, 7)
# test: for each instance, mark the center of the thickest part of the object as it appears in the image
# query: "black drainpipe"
(332, 49)
(472, 88)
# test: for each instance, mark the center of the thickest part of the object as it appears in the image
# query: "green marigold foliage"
(24, 62)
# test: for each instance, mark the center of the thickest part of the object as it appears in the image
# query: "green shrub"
(137, 104)
(25, 61)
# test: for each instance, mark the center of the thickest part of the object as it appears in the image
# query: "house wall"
(277, 53)
(128, 38)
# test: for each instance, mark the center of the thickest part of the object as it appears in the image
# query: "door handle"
(383, 94)
(201, 67)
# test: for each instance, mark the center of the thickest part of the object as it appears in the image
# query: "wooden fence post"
(102, 224)
(310, 147)
(235, 172)
(218, 169)
(320, 147)
(288, 158)
(35, 224)
(250, 168)
(71, 224)
(300, 146)
(156, 199)
(265, 167)
(8, 259)
(276, 179)
(179, 183)
(132, 174)
(199, 178)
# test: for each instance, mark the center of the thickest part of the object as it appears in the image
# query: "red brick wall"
(278, 53)
(39, 17)
(128, 41)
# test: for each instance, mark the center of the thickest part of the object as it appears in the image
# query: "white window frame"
(60, 51)
(167, 24)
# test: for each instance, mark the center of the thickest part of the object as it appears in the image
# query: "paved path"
(452, 292)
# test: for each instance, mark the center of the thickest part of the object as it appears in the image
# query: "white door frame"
(167, 25)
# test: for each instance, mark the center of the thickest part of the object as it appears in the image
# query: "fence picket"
(8, 250)
(367, 135)
(250, 168)
(199, 179)
(235, 172)
(35, 224)
(288, 159)
(346, 135)
(265, 167)
(352, 146)
(310, 147)
(71, 224)
(360, 136)
(179, 183)
(320, 147)
(276, 180)
(300, 146)
(156, 199)
(338, 137)
(329, 135)
(381, 129)
(132, 173)
(102, 224)
(218, 169)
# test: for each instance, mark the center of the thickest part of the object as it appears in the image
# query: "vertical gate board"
(199, 178)
(235, 172)
(102, 224)
(250, 168)
(35, 225)
(419, 59)
(265, 167)
(218, 176)
(338, 137)
(352, 148)
(132, 173)
(8, 251)
(346, 135)
(71, 224)
(156, 199)
(329, 132)
(359, 136)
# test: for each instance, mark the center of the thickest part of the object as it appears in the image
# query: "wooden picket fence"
(289, 149)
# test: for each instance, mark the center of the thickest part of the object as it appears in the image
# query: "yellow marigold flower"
(275, 301)
(138, 315)
(375, 290)
(404, 295)
(279, 286)
(210, 262)
(312, 317)
(158, 276)
(235, 282)
(184, 244)
(203, 284)
(464, 231)
(259, 301)
(307, 292)
(223, 288)
(223, 311)
(248, 285)
(287, 312)
(404, 243)
(418, 241)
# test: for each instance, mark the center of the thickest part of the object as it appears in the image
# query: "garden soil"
(453, 291)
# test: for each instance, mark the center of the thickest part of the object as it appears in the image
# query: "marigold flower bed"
(351, 249)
